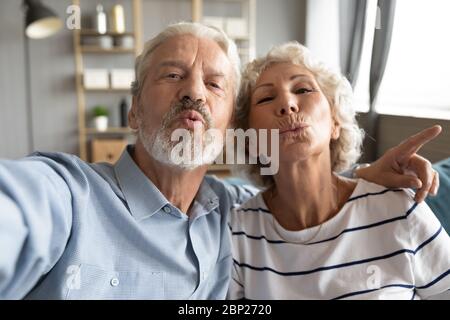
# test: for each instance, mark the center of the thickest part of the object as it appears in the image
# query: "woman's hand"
(401, 167)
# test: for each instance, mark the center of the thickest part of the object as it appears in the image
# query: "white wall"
(279, 21)
(322, 30)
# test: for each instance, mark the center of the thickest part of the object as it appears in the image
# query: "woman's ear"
(232, 121)
(335, 130)
(132, 114)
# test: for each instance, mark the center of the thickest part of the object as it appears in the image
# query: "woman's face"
(287, 97)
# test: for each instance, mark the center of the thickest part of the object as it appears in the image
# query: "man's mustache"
(187, 104)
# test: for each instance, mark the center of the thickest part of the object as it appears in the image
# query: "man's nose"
(287, 105)
(194, 89)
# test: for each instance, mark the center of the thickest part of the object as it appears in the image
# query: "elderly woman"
(312, 234)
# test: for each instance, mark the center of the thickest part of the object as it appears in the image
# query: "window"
(416, 81)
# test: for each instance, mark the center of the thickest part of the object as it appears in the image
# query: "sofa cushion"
(441, 203)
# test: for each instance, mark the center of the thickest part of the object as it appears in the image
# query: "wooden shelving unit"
(246, 43)
(88, 32)
(111, 130)
(93, 49)
(108, 90)
(85, 133)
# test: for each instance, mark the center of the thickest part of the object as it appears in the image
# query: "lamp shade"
(40, 21)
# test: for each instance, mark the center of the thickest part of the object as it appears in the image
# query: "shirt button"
(167, 209)
(114, 282)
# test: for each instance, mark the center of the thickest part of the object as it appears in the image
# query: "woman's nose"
(287, 106)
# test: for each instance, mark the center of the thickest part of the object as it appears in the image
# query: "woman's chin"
(292, 144)
(292, 152)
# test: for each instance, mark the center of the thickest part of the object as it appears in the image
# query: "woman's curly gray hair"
(347, 148)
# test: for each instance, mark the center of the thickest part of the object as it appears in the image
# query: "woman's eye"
(266, 99)
(303, 90)
(215, 85)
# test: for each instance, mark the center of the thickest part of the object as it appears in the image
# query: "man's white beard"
(159, 145)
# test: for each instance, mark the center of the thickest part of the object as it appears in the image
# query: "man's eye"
(175, 76)
(266, 99)
(303, 90)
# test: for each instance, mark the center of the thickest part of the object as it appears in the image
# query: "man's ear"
(133, 114)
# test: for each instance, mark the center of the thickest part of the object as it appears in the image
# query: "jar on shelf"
(124, 41)
(105, 42)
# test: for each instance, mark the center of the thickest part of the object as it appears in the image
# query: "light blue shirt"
(74, 230)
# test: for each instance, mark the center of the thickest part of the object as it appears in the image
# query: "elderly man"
(146, 227)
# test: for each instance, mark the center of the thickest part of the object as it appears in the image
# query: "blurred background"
(66, 65)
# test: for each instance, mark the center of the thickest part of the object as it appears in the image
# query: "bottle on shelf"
(124, 113)
(100, 20)
(118, 19)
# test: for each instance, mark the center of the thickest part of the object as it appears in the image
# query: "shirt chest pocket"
(92, 282)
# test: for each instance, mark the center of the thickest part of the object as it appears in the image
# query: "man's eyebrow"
(172, 63)
(180, 64)
(294, 77)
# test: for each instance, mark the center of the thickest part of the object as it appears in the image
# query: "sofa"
(440, 204)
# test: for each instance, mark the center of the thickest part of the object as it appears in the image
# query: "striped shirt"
(381, 245)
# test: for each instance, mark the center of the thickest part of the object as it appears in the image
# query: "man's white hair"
(182, 28)
(336, 88)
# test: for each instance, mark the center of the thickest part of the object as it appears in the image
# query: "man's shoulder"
(70, 166)
(54, 157)
(65, 159)
(47, 163)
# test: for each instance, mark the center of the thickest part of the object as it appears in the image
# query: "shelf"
(108, 90)
(219, 167)
(93, 49)
(241, 38)
(243, 51)
(111, 130)
(222, 171)
(94, 33)
(86, 41)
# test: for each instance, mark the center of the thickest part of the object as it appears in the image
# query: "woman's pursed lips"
(294, 127)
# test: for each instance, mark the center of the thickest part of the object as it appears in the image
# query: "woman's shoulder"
(368, 193)
(375, 204)
(393, 204)
(381, 206)
(257, 200)
(253, 209)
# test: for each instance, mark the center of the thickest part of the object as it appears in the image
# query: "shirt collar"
(144, 199)
(205, 201)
